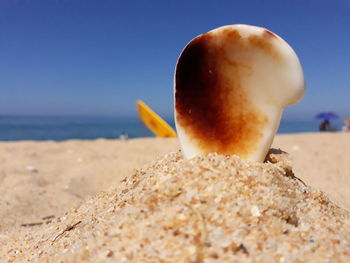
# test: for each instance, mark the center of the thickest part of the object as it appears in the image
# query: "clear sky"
(85, 57)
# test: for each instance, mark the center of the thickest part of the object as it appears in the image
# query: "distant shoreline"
(43, 128)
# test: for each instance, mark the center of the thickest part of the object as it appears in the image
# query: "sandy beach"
(49, 187)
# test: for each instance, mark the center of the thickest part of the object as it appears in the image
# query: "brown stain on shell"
(211, 102)
(268, 33)
(264, 42)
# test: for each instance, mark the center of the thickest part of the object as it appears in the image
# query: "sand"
(40, 179)
(51, 184)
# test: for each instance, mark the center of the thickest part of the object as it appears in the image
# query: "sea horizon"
(60, 128)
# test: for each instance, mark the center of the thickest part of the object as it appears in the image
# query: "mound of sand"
(207, 209)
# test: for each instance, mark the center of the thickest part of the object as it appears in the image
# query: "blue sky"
(84, 57)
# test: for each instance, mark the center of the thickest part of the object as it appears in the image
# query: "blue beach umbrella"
(326, 115)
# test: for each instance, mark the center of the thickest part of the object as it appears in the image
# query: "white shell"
(231, 86)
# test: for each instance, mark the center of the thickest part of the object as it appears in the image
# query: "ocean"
(41, 128)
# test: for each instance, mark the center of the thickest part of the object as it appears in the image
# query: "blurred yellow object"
(153, 121)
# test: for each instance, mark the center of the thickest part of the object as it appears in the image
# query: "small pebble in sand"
(31, 169)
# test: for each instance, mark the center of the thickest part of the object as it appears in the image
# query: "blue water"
(16, 128)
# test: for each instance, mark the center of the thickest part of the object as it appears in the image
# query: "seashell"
(231, 86)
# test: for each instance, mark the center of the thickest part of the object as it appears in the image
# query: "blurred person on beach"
(123, 136)
(324, 126)
(346, 127)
